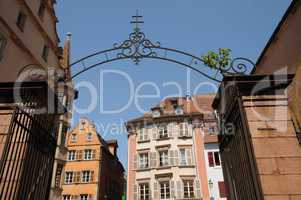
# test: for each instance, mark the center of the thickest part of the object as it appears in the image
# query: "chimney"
(113, 145)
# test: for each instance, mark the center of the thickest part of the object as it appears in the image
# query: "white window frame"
(190, 193)
(66, 197)
(71, 155)
(143, 134)
(73, 138)
(86, 176)
(144, 191)
(89, 137)
(69, 177)
(166, 190)
(163, 158)
(181, 157)
(84, 197)
(88, 154)
(163, 131)
(184, 129)
(143, 160)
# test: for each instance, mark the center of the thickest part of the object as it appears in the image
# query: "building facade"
(259, 119)
(166, 150)
(92, 170)
(30, 53)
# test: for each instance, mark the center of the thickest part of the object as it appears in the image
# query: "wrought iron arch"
(138, 47)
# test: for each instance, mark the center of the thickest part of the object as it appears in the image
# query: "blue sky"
(195, 26)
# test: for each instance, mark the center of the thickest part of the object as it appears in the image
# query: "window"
(88, 154)
(163, 158)
(42, 8)
(86, 176)
(222, 190)
(211, 130)
(163, 133)
(3, 42)
(156, 113)
(21, 20)
(45, 53)
(214, 159)
(69, 177)
(71, 155)
(143, 134)
(183, 157)
(184, 130)
(143, 160)
(188, 189)
(84, 197)
(164, 190)
(73, 138)
(179, 110)
(66, 197)
(89, 136)
(144, 191)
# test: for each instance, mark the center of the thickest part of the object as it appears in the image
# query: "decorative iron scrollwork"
(136, 47)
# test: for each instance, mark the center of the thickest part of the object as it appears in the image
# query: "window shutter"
(77, 176)
(94, 154)
(155, 132)
(136, 161)
(171, 157)
(181, 133)
(153, 159)
(172, 189)
(176, 157)
(197, 188)
(136, 192)
(189, 156)
(179, 190)
(170, 130)
(156, 192)
(92, 176)
(222, 190)
(79, 155)
(210, 159)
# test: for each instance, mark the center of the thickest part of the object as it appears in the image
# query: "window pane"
(216, 159)
(210, 159)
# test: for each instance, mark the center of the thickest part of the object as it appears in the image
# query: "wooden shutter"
(79, 155)
(172, 189)
(136, 161)
(94, 154)
(170, 130)
(155, 133)
(197, 188)
(76, 177)
(189, 156)
(222, 190)
(92, 176)
(156, 191)
(181, 132)
(179, 190)
(210, 159)
(136, 188)
(153, 160)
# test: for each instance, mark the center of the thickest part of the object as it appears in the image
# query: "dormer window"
(179, 110)
(89, 136)
(73, 138)
(156, 113)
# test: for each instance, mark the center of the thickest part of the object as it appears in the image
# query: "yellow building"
(92, 170)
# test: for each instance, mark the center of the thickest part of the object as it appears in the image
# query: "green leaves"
(218, 60)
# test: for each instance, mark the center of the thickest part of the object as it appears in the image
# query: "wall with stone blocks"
(276, 147)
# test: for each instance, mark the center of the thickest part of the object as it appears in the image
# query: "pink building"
(167, 155)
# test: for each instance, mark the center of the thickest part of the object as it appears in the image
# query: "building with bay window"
(92, 169)
(167, 151)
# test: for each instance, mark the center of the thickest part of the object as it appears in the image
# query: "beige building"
(168, 148)
(30, 52)
(92, 170)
